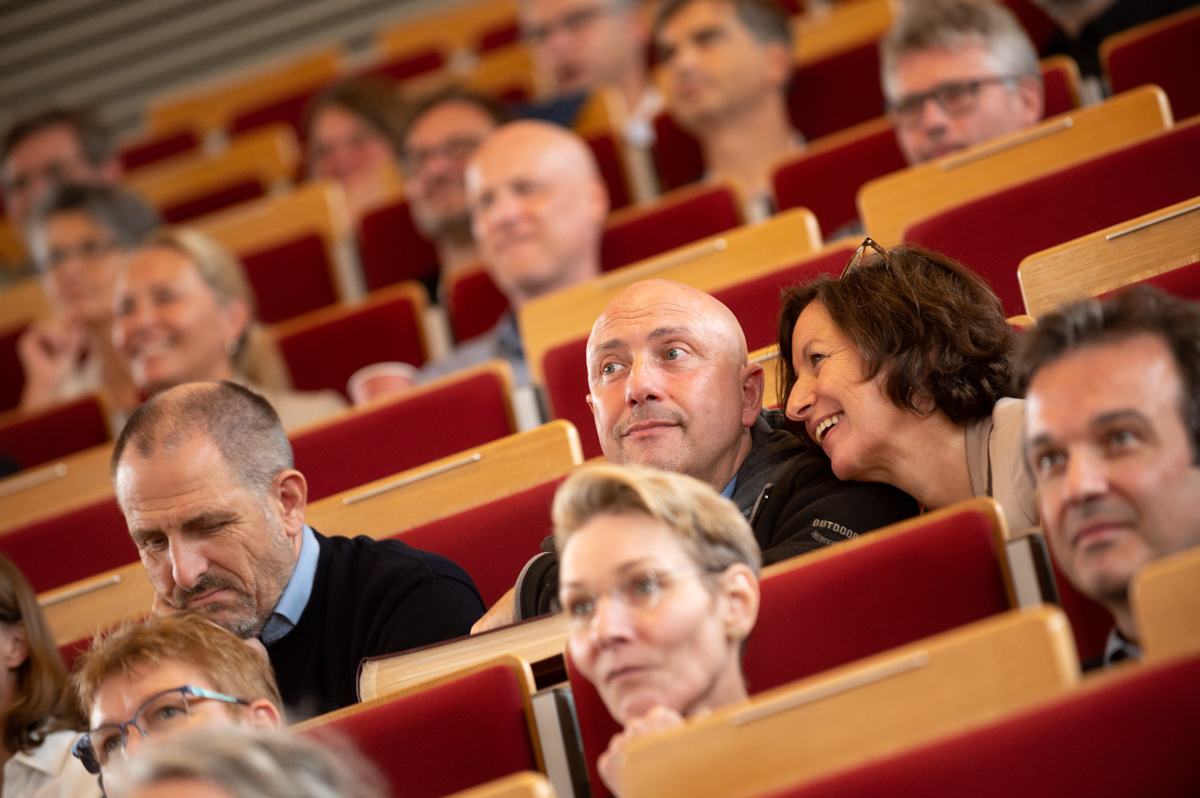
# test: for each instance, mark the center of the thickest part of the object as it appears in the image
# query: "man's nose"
(188, 564)
(644, 383)
(1086, 476)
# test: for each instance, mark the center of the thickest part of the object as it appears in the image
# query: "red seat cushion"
(565, 368)
(72, 546)
(993, 234)
(1090, 621)
(326, 355)
(492, 542)
(836, 92)
(604, 147)
(447, 738)
(846, 607)
(12, 373)
(677, 154)
(159, 149)
(289, 110)
(33, 440)
(1168, 57)
(675, 224)
(407, 66)
(213, 201)
(401, 434)
(509, 33)
(476, 304)
(1058, 99)
(1132, 736)
(291, 278)
(1182, 282)
(392, 249)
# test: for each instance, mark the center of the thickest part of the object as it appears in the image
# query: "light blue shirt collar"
(295, 596)
(728, 492)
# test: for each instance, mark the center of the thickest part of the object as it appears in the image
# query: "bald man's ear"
(753, 382)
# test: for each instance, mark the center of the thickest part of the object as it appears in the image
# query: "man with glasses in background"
(957, 73)
(148, 682)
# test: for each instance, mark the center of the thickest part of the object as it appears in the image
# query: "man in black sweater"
(204, 475)
(672, 388)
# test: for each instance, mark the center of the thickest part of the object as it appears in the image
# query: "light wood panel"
(519, 785)
(710, 264)
(1119, 255)
(833, 28)
(12, 251)
(447, 32)
(891, 204)
(1165, 598)
(55, 488)
(81, 609)
(21, 302)
(875, 707)
(269, 155)
(213, 108)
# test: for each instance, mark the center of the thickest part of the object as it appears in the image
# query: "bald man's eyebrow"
(610, 344)
(667, 332)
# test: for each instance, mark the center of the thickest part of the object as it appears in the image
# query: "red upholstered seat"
(1057, 82)
(849, 605)
(213, 201)
(35, 439)
(994, 233)
(608, 158)
(325, 353)
(565, 367)
(291, 278)
(159, 149)
(72, 546)
(756, 303)
(677, 154)
(492, 542)
(1090, 621)
(502, 36)
(289, 110)
(447, 738)
(12, 373)
(836, 92)
(476, 304)
(414, 429)
(1135, 735)
(1162, 52)
(407, 66)
(827, 180)
(1181, 282)
(669, 223)
(392, 249)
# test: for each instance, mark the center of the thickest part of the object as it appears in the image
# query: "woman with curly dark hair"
(40, 713)
(899, 370)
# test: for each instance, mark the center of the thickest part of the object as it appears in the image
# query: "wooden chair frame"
(1165, 598)
(891, 204)
(21, 302)
(840, 27)
(1116, 256)
(447, 32)
(518, 785)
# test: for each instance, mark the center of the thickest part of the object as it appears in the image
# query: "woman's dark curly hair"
(930, 321)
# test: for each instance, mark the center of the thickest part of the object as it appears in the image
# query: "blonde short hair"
(712, 529)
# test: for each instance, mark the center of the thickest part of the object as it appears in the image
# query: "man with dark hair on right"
(726, 65)
(1112, 433)
(442, 132)
(50, 147)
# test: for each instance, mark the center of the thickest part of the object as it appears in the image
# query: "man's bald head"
(538, 207)
(670, 383)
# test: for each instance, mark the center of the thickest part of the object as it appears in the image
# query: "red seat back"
(325, 355)
(1090, 621)
(1059, 93)
(674, 223)
(12, 373)
(608, 159)
(476, 304)
(849, 605)
(35, 439)
(225, 197)
(392, 249)
(993, 234)
(1166, 55)
(407, 66)
(1183, 282)
(677, 154)
(1136, 735)
(289, 110)
(836, 92)
(72, 546)
(492, 542)
(407, 432)
(447, 738)
(565, 368)
(290, 278)
(159, 149)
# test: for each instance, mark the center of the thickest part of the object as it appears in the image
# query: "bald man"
(538, 206)
(672, 387)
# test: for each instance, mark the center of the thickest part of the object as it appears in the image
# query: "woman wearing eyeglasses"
(40, 714)
(659, 578)
(80, 236)
(899, 370)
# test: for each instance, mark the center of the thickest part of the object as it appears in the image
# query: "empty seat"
(452, 735)
(1162, 52)
(994, 233)
(389, 436)
(33, 439)
(836, 92)
(72, 546)
(325, 347)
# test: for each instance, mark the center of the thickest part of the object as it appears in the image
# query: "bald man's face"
(670, 387)
(537, 210)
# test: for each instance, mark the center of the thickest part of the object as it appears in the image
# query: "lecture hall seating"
(1162, 52)
(1164, 596)
(72, 546)
(35, 438)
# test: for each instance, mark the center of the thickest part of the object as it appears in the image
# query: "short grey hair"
(121, 212)
(253, 763)
(242, 425)
(953, 24)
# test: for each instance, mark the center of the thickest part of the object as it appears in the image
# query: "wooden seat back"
(1165, 597)
(1130, 252)
(518, 785)
(446, 32)
(884, 704)
(21, 302)
(836, 28)
(56, 487)
(889, 205)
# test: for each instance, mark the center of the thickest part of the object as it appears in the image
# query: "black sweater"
(369, 597)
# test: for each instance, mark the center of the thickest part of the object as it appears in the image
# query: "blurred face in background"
(580, 45)
(78, 259)
(43, 159)
(346, 148)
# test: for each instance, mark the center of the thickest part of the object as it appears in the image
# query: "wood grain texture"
(836, 28)
(1165, 598)
(83, 480)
